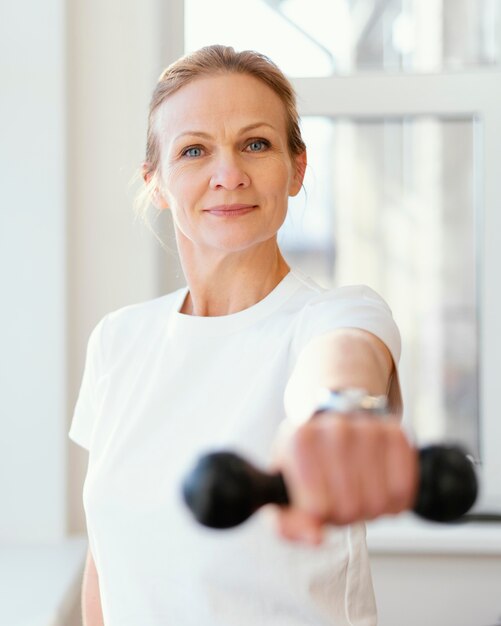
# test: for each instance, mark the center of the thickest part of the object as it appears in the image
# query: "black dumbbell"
(223, 489)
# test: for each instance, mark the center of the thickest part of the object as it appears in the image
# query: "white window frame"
(381, 95)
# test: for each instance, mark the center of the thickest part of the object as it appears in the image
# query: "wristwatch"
(350, 400)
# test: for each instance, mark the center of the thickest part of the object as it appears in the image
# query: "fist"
(342, 469)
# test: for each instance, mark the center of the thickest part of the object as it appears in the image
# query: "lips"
(228, 210)
(230, 207)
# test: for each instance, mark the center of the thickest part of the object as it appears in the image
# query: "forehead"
(229, 100)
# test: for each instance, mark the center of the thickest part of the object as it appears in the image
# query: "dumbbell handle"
(223, 489)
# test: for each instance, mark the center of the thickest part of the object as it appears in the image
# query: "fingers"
(402, 471)
(304, 473)
(345, 488)
(369, 469)
(344, 469)
(296, 525)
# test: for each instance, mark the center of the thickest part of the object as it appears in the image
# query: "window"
(394, 206)
(318, 38)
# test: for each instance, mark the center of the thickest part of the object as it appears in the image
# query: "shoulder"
(142, 312)
(317, 299)
(350, 295)
(350, 306)
(356, 306)
(135, 323)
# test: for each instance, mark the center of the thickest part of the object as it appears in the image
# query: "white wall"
(32, 271)
(115, 55)
(75, 80)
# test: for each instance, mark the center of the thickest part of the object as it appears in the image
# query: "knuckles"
(375, 507)
(302, 439)
(356, 450)
(347, 513)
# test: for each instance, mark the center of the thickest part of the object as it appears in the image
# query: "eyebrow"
(199, 133)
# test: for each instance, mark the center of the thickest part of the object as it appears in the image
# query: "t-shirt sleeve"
(86, 408)
(356, 306)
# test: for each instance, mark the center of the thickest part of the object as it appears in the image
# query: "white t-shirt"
(160, 388)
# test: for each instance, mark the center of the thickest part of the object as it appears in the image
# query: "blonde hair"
(208, 61)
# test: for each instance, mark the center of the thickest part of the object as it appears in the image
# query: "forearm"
(92, 614)
(342, 358)
(339, 470)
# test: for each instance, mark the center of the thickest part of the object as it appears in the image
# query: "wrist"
(349, 400)
(342, 400)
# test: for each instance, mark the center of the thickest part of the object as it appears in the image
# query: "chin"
(235, 244)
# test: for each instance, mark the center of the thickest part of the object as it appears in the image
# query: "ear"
(299, 162)
(157, 198)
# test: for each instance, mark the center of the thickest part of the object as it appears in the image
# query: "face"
(223, 142)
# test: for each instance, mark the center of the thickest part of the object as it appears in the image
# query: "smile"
(230, 210)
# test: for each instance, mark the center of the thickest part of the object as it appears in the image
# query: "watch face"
(351, 400)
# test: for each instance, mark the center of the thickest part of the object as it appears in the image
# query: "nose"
(228, 173)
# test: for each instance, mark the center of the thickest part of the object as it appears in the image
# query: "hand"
(342, 469)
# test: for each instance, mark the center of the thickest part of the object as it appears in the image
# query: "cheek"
(180, 187)
(275, 178)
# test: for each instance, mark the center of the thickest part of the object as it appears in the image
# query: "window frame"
(379, 95)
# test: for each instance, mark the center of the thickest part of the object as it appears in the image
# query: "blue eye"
(259, 143)
(189, 151)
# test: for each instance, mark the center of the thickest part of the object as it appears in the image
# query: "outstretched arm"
(341, 469)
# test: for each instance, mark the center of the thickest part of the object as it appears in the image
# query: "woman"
(235, 360)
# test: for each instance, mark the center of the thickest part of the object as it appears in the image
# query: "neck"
(232, 283)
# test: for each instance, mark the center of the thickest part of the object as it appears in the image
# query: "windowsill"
(408, 534)
(40, 584)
